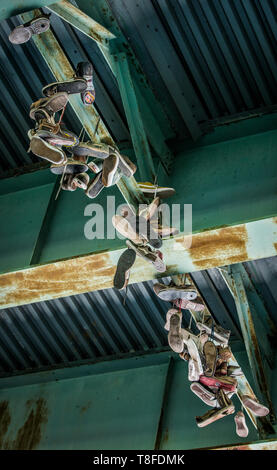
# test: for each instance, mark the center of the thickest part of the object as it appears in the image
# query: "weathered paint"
(96, 271)
(81, 21)
(83, 406)
(234, 280)
(219, 247)
(29, 434)
(265, 445)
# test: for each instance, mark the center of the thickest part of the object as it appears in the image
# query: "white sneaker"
(193, 375)
(171, 311)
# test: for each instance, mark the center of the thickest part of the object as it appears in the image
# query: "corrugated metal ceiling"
(218, 56)
(98, 325)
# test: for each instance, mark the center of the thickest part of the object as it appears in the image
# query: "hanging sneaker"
(194, 354)
(95, 186)
(257, 408)
(92, 149)
(151, 190)
(241, 426)
(68, 184)
(219, 333)
(85, 70)
(126, 229)
(110, 165)
(59, 138)
(81, 180)
(213, 415)
(148, 254)
(95, 165)
(175, 338)
(71, 87)
(24, 32)
(44, 150)
(148, 212)
(229, 384)
(72, 167)
(226, 408)
(210, 354)
(124, 265)
(193, 375)
(205, 395)
(195, 305)
(171, 311)
(170, 293)
(127, 167)
(53, 104)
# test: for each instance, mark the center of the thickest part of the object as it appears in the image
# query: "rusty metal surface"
(28, 436)
(96, 271)
(264, 445)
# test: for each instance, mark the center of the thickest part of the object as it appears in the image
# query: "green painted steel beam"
(61, 68)
(134, 118)
(234, 281)
(10, 8)
(82, 22)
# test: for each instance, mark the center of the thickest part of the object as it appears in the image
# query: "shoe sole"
(40, 149)
(71, 169)
(95, 187)
(241, 428)
(218, 415)
(175, 339)
(162, 193)
(172, 294)
(109, 168)
(204, 395)
(37, 26)
(69, 87)
(144, 229)
(257, 408)
(125, 263)
(55, 103)
(194, 354)
(156, 260)
(210, 353)
(96, 151)
(126, 166)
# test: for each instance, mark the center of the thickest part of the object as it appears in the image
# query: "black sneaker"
(73, 167)
(85, 70)
(124, 265)
(71, 87)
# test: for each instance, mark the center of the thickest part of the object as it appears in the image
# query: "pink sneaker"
(184, 304)
(241, 427)
(257, 408)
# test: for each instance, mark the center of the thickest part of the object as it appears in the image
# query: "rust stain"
(5, 420)
(29, 435)
(219, 247)
(275, 246)
(165, 436)
(85, 407)
(57, 279)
